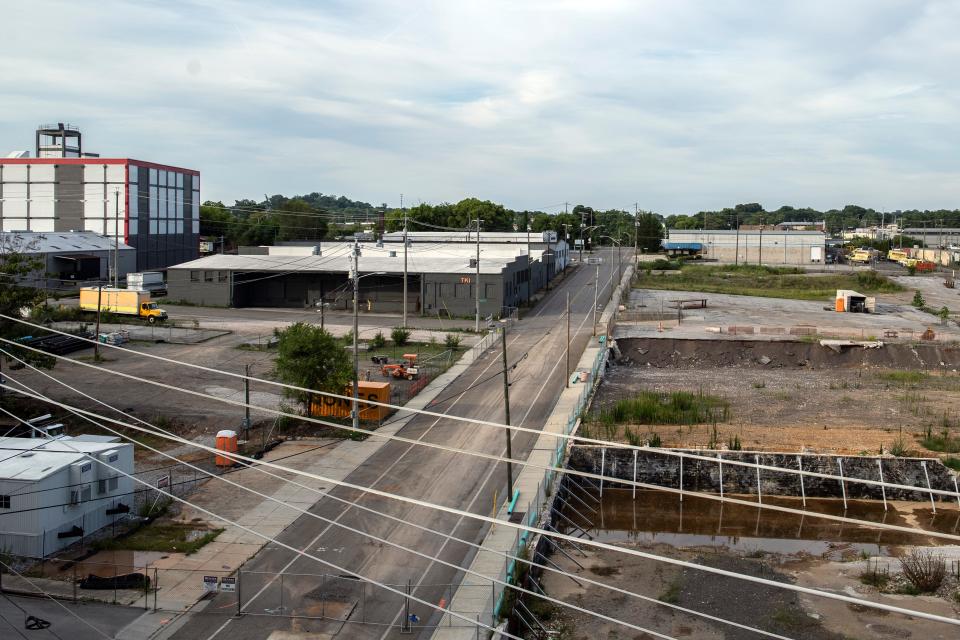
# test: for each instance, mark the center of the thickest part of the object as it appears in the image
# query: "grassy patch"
(953, 463)
(768, 282)
(678, 407)
(671, 594)
(942, 442)
(904, 377)
(169, 537)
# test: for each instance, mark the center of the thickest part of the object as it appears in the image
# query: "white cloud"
(679, 105)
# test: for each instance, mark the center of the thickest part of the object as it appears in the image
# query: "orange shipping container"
(226, 441)
(340, 407)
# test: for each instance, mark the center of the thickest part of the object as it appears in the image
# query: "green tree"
(16, 295)
(649, 233)
(918, 300)
(310, 357)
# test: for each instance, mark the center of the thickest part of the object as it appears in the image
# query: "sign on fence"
(163, 482)
(228, 585)
(210, 584)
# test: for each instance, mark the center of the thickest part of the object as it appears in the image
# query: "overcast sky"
(680, 106)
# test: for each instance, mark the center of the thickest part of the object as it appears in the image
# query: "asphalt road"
(292, 603)
(85, 621)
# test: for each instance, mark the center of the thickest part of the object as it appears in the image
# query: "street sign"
(210, 584)
(228, 585)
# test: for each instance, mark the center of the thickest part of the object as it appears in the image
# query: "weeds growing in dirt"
(904, 377)
(734, 443)
(941, 442)
(679, 407)
(924, 570)
(953, 463)
(875, 577)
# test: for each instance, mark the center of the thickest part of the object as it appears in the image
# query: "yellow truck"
(897, 255)
(861, 256)
(128, 302)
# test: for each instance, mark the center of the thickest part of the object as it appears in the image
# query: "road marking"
(486, 478)
(396, 462)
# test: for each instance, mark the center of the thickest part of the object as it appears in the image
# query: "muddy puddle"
(656, 517)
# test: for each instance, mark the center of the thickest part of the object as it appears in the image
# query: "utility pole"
(476, 286)
(736, 251)
(355, 275)
(568, 340)
(404, 267)
(582, 226)
(596, 299)
(636, 237)
(246, 402)
(506, 404)
(529, 266)
(116, 238)
(221, 245)
(96, 337)
(760, 246)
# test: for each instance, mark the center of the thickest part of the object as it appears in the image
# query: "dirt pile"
(699, 354)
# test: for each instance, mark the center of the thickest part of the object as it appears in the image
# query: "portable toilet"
(226, 441)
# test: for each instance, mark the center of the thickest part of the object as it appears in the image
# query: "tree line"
(849, 217)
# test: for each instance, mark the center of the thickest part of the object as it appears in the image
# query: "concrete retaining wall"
(703, 475)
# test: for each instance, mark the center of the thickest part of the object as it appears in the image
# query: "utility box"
(852, 302)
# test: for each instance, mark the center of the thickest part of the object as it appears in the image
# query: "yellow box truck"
(128, 302)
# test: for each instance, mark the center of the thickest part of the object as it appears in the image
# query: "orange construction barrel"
(839, 306)
(226, 441)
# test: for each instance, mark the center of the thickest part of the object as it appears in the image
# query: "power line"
(308, 513)
(475, 516)
(275, 541)
(485, 423)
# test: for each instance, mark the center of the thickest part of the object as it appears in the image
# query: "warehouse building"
(154, 208)
(57, 490)
(755, 245)
(441, 278)
(67, 261)
(556, 251)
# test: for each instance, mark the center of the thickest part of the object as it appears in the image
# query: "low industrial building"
(756, 245)
(152, 207)
(441, 277)
(67, 261)
(56, 491)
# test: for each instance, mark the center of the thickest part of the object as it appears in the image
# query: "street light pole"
(596, 299)
(506, 404)
(404, 269)
(355, 274)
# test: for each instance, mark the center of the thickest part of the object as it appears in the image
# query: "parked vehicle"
(861, 256)
(151, 281)
(123, 302)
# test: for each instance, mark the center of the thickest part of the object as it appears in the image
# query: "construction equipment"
(406, 369)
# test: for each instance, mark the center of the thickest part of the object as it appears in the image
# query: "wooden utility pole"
(96, 337)
(506, 405)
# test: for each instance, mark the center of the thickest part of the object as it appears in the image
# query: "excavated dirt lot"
(788, 396)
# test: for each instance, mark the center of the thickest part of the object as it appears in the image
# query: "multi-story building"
(152, 207)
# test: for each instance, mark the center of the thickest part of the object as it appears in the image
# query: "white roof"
(335, 257)
(35, 242)
(493, 237)
(40, 457)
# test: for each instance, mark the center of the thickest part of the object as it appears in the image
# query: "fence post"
(239, 586)
(843, 487)
(634, 474)
(323, 596)
(720, 462)
(803, 493)
(883, 489)
(956, 490)
(756, 458)
(74, 584)
(281, 594)
(603, 465)
(156, 588)
(681, 478)
(923, 463)
(146, 587)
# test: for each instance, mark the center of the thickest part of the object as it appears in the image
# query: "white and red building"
(152, 207)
